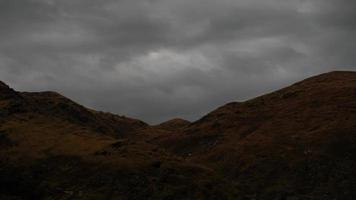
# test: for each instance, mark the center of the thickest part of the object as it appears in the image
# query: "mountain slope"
(53, 148)
(296, 143)
(173, 124)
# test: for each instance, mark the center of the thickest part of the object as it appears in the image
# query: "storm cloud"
(159, 59)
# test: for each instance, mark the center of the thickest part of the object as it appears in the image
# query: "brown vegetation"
(296, 143)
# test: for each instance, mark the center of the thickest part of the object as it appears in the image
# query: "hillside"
(173, 124)
(53, 148)
(296, 143)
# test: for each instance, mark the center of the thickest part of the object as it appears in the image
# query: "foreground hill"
(53, 148)
(296, 143)
(299, 141)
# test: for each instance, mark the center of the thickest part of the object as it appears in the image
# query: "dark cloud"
(158, 59)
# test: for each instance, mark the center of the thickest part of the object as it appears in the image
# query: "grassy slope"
(295, 143)
(53, 148)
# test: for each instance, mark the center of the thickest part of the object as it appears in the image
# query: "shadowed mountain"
(53, 105)
(299, 141)
(296, 143)
(173, 124)
(54, 148)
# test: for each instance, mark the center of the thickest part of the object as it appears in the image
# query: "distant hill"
(173, 124)
(296, 143)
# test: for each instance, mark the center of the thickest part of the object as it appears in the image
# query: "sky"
(161, 59)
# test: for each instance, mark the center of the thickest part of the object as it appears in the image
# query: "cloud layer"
(158, 59)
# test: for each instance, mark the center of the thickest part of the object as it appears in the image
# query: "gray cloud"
(158, 59)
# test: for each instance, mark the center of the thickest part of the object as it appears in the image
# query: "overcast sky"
(160, 59)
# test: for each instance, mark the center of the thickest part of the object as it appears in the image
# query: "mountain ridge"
(298, 142)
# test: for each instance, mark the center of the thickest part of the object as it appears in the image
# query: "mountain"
(299, 141)
(295, 143)
(54, 148)
(173, 124)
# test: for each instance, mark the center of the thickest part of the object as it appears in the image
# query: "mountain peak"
(3, 85)
(6, 92)
(174, 124)
(329, 77)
